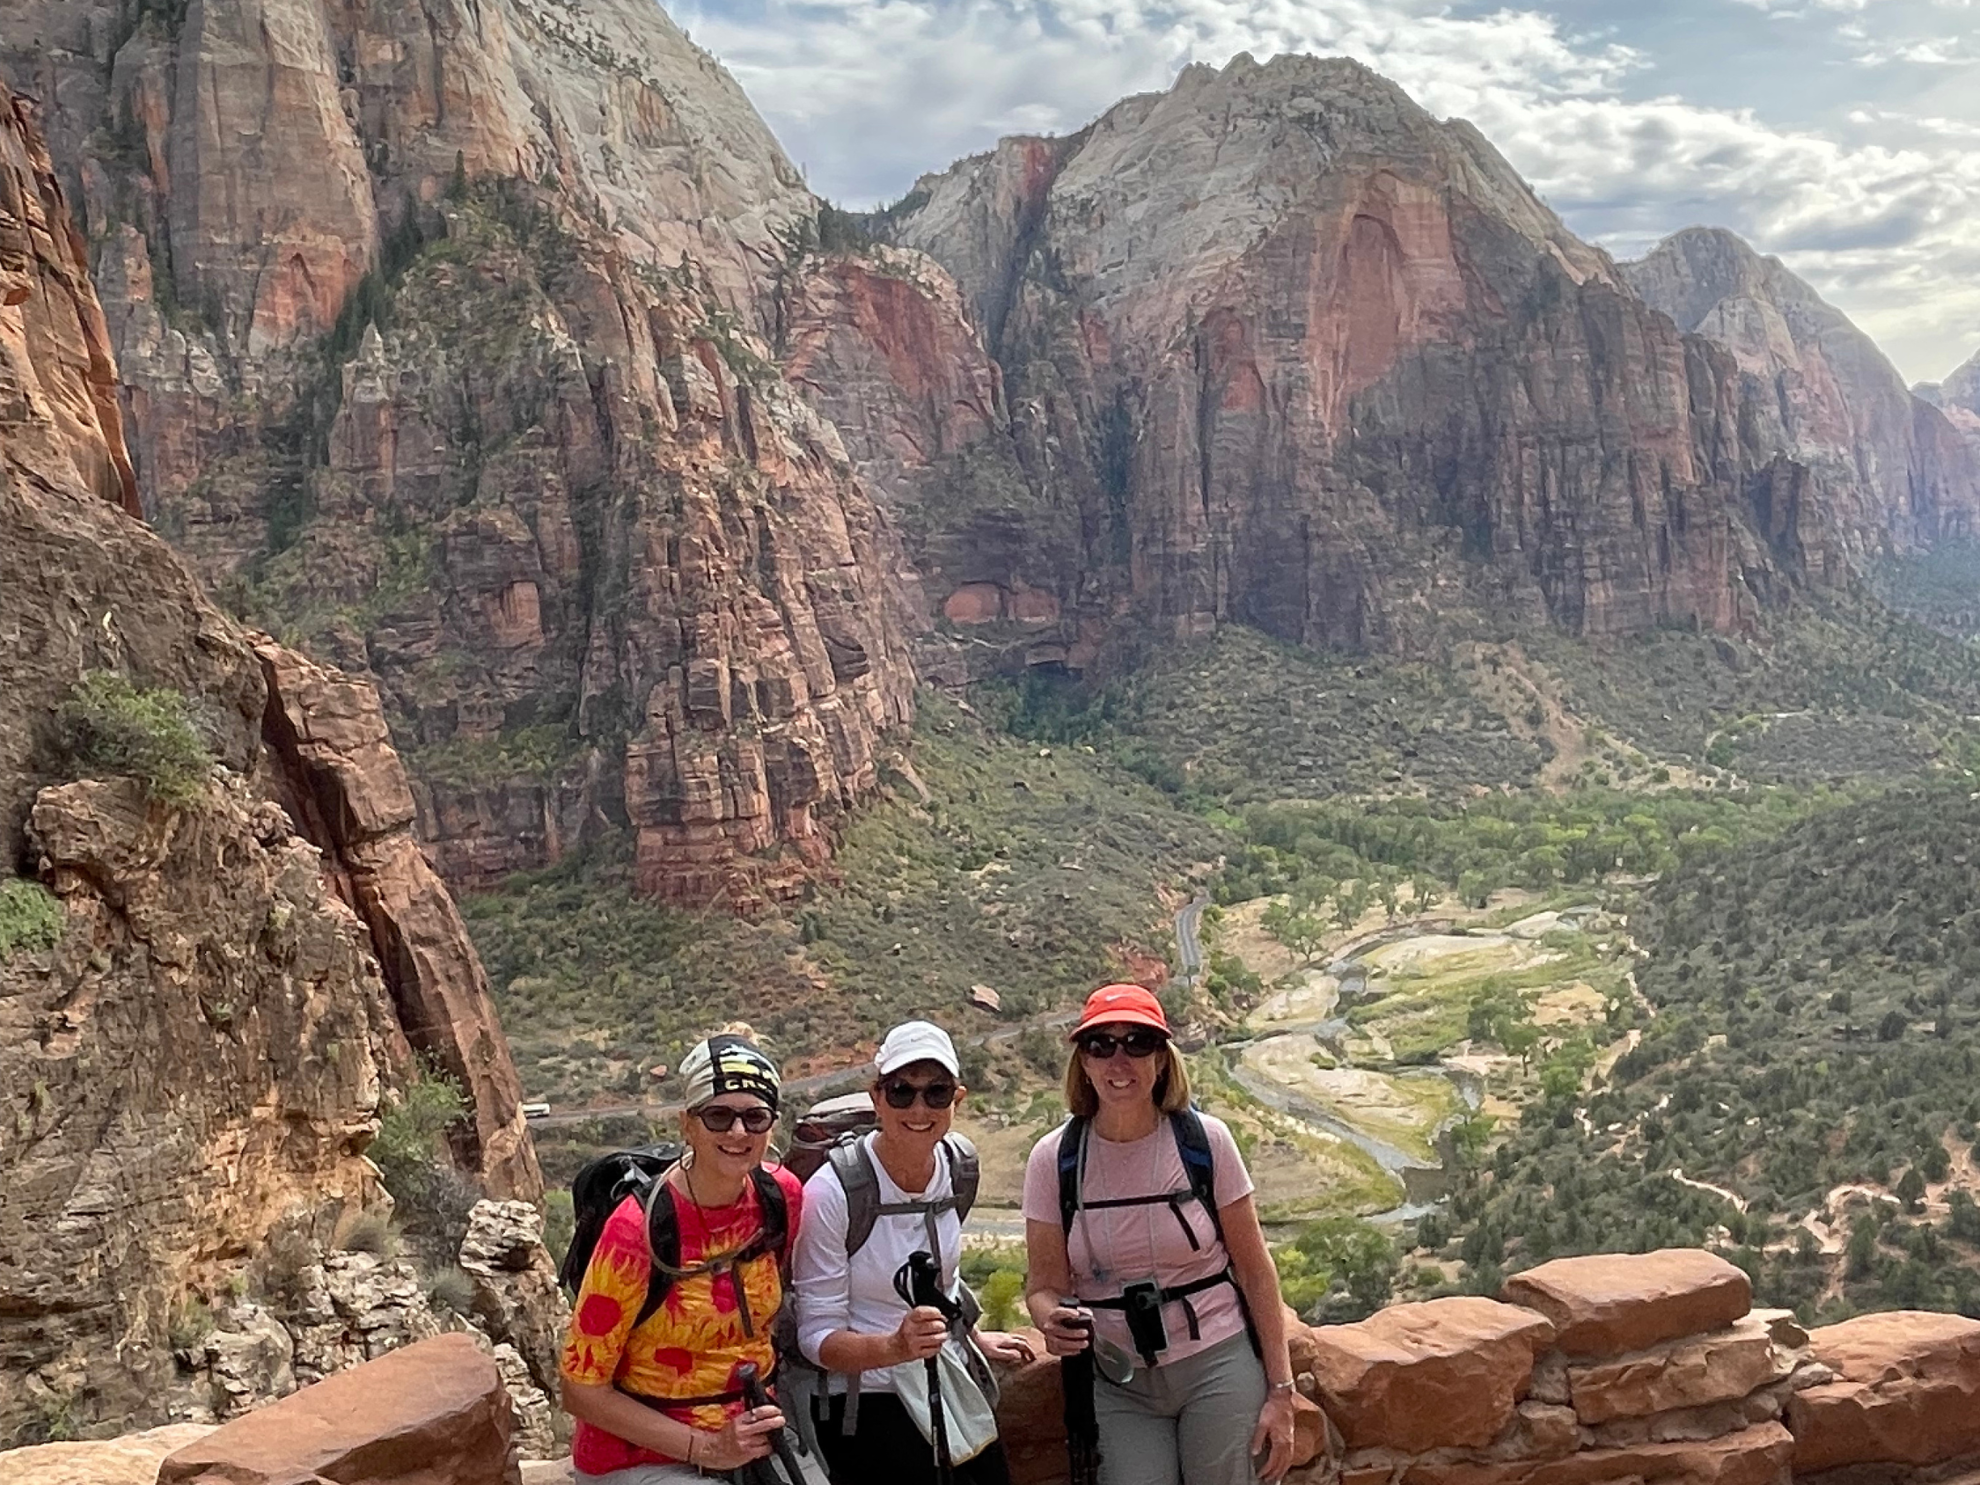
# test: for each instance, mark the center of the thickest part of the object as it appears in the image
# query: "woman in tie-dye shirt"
(657, 1401)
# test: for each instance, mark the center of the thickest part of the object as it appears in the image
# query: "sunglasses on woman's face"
(720, 1119)
(1101, 1045)
(900, 1093)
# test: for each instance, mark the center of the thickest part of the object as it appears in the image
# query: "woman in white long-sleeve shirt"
(852, 1321)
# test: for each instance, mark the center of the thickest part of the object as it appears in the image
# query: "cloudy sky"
(1843, 135)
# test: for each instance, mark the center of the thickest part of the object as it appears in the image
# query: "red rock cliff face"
(198, 1059)
(444, 328)
(1302, 357)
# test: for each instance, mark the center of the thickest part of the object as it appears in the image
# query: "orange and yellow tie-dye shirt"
(693, 1344)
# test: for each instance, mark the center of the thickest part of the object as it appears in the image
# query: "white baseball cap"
(916, 1041)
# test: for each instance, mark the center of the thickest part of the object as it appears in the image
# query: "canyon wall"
(1284, 350)
(443, 329)
(1958, 397)
(1817, 388)
(212, 992)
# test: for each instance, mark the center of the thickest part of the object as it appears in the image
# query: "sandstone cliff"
(194, 1050)
(1287, 351)
(1958, 397)
(443, 334)
(1817, 388)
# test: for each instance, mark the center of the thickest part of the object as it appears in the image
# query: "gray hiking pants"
(1188, 1422)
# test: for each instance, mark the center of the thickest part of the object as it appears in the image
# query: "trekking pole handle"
(925, 1280)
(750, 1382)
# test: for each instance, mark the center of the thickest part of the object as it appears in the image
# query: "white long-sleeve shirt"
(859, 1296)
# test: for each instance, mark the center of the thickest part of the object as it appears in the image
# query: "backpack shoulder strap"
(1072, 1137)
(663, 1248)
(853, 1165)
(776, 1209)
(1199, 1164)
(965, 1174)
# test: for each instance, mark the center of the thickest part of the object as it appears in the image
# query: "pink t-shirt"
(1118, 1246)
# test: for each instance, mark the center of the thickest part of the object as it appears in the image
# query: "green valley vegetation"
(1804, 1093)
(1025, 867)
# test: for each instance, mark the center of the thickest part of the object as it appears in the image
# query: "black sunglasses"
(719, 1119)
(900, 1094)
(1100, 1045)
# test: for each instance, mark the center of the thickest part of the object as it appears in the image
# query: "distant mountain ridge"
(498, 353)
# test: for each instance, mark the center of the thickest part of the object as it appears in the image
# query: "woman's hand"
(743, 1438)
(1068, 1330)
(921, 1333)
(1000, 1345)
(1273, 1437)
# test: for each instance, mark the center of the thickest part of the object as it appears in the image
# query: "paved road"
(1189, 945)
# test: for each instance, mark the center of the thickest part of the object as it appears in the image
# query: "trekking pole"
(758, 1396)
(920, 1283)
(1082, 1424)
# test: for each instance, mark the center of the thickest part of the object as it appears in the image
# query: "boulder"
(1754, 1456)
(1442, 1373)
(1612, 1303)
(434, 1413)
(1907, 1391)
(130, 1460)
(1722, 1366)
(1031, 1417)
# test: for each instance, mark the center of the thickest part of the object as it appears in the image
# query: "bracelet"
(694, 1438)
(1281, 1387)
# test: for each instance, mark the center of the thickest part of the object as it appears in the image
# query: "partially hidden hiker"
(681, 1290)
(1143, 1244)
(878, 1201)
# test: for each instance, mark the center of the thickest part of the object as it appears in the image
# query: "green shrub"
(411, 1153)
(371, 1232)
(30, 918)
(110, 726)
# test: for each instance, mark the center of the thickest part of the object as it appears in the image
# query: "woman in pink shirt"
(1143, 1242)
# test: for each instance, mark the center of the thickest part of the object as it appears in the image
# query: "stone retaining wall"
(1650, 1369)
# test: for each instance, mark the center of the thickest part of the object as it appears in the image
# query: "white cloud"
(1879, 208)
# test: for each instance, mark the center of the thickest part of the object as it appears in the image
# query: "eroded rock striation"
(445, 333)
(1290, 352)
(194, 1057)
(1890, 467)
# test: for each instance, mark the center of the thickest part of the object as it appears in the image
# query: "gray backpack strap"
(965, 1173)
(854, 1168)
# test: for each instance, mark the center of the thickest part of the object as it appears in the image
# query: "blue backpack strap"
(1199, 1165)
(1072, 1139)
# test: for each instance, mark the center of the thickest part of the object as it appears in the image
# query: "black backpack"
(603, 1183)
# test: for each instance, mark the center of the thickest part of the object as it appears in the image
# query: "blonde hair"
(1171, 1086)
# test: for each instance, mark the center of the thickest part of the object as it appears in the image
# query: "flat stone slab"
(1761, 1455)
(1445, 1373)
(1907, 1391)
(130, 1460)
(1695, 1372)
(434, 1413)
(1609, 1304)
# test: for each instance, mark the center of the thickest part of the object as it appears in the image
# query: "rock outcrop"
(130, 1460)
(1906, 1392)
(1284, 350)
(430, 1414)
(194, 1060)
(1890, 465)
(445, 337)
